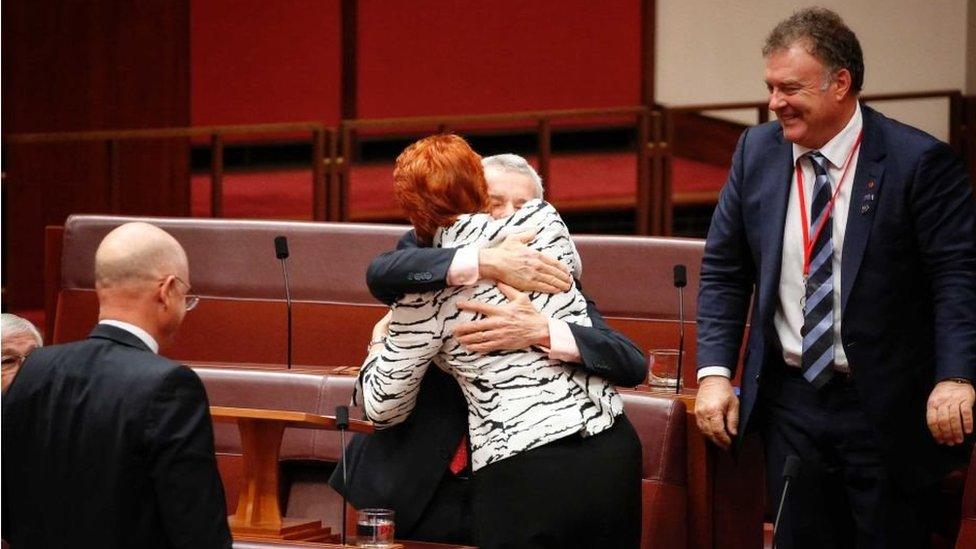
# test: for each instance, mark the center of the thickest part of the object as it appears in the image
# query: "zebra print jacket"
(517, 400)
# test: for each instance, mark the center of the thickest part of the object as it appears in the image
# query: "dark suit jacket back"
(107, 444)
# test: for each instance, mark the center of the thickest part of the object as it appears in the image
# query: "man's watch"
(960, 380)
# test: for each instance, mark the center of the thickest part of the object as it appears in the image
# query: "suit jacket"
(401, 467)
(107, 444)
(908, 289)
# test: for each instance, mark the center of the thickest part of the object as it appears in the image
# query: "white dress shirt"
(788, 319)
(136, 331)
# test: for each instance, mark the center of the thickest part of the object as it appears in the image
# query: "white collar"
(136, 331)
(837, 149)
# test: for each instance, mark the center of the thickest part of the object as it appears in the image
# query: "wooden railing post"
(762, 114)
(114, 184)
(545, 154)
(216, 175)
(332, 175)
(319, 191)
(656, 186)
(339, 197)
(644, 205)
(956, 122)
(667, 165)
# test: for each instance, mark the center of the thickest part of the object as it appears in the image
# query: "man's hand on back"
(515, 264)
(717, 410)
(514, 325)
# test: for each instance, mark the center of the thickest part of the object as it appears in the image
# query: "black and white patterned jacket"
(517, 400)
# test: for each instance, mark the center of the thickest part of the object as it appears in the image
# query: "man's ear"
(165, 289)
(842, 84)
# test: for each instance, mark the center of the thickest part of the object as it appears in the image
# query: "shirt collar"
(837, 149)
(136, 331)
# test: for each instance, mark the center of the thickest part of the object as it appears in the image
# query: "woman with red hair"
(556, 462)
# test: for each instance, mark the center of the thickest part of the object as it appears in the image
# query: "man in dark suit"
(419, 468)
(855, 235)
(105, 443)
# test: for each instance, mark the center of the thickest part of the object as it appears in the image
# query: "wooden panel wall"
(99, 64)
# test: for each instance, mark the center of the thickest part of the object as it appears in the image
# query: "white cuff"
(464, 268)
(562, 344)
(714, 371)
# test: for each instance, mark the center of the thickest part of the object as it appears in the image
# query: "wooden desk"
(258, 516)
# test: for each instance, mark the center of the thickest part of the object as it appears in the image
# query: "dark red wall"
(98, 64)
(256, 61)
(440, 57)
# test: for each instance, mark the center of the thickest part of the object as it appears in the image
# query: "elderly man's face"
(809, 114)
(507, 191)
(16, 347)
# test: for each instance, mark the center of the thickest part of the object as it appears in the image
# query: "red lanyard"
(808, 242)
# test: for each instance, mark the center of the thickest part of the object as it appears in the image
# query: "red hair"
(435, 180)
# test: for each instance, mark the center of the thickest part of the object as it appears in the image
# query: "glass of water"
(374, 528)
(662, 370)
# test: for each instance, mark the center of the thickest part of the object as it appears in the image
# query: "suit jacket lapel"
(775, 189)
(865, 192)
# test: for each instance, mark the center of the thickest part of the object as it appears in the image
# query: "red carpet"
(579, 181)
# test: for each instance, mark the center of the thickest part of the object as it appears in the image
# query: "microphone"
(680, 281)
(281, 252)
(790, 470)
(342, 423)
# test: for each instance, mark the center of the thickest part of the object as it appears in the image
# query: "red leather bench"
(308, 457)
(235, 272)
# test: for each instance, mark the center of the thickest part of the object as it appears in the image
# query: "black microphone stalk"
(790, 470)
(281, 252)
(342, 423)
(680, 281)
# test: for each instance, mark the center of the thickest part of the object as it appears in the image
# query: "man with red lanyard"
(853, 238)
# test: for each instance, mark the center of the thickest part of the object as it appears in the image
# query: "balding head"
(135, 253)
(142, 277)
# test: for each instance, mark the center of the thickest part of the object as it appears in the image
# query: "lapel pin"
(865, 208)
(871, 184)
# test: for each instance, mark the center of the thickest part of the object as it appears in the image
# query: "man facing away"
(105, 443)
(19, 339)
(419, 468)
(854, 238)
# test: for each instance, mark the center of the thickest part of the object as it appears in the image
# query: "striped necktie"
(818, 306)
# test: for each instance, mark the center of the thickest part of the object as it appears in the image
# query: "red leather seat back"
(660, 423)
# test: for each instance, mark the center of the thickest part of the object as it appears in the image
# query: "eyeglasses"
(12, 361)
(191, 301)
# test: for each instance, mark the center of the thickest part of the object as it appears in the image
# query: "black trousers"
(573, 492)
(844, 495)
(447, 517)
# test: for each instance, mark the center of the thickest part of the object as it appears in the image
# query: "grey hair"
(14, 325)
(514, 163)
(826, 37)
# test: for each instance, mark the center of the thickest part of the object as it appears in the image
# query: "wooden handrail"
(163, 133)
(321, 136)
(448, 121)
(332, 147)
